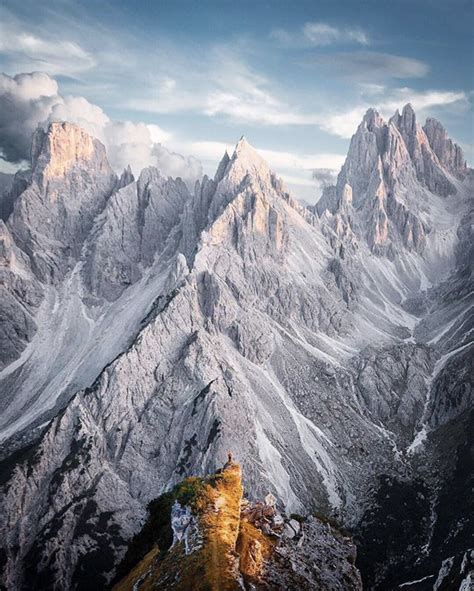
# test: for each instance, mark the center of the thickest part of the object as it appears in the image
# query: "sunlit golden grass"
(214, 566)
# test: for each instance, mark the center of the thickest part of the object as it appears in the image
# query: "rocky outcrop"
(215, 543)
(429, 169)
(6, 182)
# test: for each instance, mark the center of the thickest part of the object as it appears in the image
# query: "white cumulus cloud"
(29, 100)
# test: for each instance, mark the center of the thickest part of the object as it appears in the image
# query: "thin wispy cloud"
(370, 65)
(28, 51)
(320, 34)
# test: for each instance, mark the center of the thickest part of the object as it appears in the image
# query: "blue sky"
(294, 77)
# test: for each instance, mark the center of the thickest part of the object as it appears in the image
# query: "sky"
(175, 83)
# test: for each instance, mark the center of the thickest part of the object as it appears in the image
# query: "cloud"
(25, 50)
(324, 177)
(322, 34)
(233, 90)
(79, 110)
(29, 100)
(370, 65)
(344, 124)
(243, 95)
(25, 100)
(172, 164)
(422, 100)
(284, 37)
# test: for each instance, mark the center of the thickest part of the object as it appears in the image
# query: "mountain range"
(145, 330)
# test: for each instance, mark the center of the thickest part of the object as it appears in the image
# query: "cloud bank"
(29, 100)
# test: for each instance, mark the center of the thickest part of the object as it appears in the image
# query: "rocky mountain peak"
(245, 168)
(388, 168)
(408, 116)
(246, 159)
(63, 147)
(126, 177)
(372, 119)
(172, 324)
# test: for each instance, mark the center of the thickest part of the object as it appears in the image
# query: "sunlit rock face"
(325, 347)
(62, 147)
(71, 181)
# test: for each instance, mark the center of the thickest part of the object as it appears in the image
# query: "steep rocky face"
(20, 294)
(70, 183)
(6, 182)
(134, 226)
(240, 320)
(449, 154)
(429, 169)
(91, 247)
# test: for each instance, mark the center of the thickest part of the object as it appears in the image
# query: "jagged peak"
(244, 149)
(372, 116)
(245, 161)
(62, 146)
(222, 167)
(408, 110)
(126, 178)
(408, 117)
(448, 152)
(242, 144)
(148, 174)
(406, 121)
(433, 122)
(371, 121)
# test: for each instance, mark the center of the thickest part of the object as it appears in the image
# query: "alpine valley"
(146, 330)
